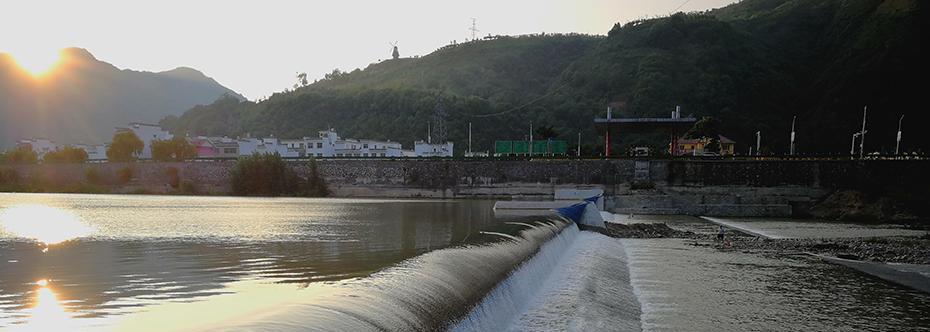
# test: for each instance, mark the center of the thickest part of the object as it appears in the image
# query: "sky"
(257, 47)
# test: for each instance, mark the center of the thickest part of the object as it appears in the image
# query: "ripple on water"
(703, 289)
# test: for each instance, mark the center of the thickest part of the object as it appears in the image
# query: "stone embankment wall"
(728, 187)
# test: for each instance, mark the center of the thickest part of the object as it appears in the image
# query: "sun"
(37, 63)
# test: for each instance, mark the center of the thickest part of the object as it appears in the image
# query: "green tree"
(19, 155)
(125, 147)
(175, 149)
(316, 186)
(301, 81)
(264, 175)
(68, 154)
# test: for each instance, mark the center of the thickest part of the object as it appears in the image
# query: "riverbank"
(907, 250)
(865, 242)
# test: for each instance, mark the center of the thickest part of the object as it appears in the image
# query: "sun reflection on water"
(42, 223)
(47, 314)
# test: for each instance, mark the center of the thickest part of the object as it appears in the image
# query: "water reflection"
(42, 223)
(150, 251)
(46, 313)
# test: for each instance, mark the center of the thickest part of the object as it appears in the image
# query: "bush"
(19, 155)
(65, 155)
(175, 149)
(125, 147)
(264, 175)
(124, 175)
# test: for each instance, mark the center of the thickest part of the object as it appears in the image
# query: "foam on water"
(577, 281)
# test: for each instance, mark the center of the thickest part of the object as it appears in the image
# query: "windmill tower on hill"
(395, 54)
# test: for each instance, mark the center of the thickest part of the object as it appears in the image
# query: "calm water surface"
(87, 260)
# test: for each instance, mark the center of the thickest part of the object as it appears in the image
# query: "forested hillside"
(753, 65)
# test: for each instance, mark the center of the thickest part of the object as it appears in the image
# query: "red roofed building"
(696, 146)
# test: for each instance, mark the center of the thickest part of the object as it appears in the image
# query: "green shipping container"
(521, 147)
(558, 147)
(503, 147)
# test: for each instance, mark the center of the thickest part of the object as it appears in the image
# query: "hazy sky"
(257, 47)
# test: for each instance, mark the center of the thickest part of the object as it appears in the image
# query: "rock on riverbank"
(890, 250)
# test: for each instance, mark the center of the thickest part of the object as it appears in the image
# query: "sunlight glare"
(42, 223)
(38, 62)
(47, 314)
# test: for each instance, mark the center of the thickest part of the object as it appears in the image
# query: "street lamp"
(852, 148)
(862, 140)
(897, 145)
(758, 141)
(793, 118)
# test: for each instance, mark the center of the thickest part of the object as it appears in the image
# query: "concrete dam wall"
(708, 187)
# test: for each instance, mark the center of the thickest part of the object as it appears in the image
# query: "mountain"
(753, 65)
(82, 99)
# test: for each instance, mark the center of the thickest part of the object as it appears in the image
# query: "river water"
(102, 262)
(113, 257)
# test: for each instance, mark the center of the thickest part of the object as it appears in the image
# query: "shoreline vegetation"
(267, 175)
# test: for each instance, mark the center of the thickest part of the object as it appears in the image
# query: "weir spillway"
(551, 276)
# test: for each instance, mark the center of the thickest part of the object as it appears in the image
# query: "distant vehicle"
(640, 151)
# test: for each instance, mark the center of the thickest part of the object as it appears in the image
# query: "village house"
(40, 146)
(147, 133)
(329, 144)
(95, 152)
(429, 149)
(215, 147)
(697, 146)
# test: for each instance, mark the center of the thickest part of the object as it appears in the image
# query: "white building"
(249, 146)
(147, 133)
(329, 144)
(428, 149)
(94, 152)
(40, 146)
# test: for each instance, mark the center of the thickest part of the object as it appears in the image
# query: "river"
(94, 260)
(128, 262)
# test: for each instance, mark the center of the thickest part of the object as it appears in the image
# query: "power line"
(681, 5)
(519, 107)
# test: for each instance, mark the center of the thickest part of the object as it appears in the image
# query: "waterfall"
(577, 281)
(424, 293)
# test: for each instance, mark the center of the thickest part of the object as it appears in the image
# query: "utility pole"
(429, 133)
(897, 145)
(758, 141)
(792, 135)
(862, 140)
(469, 138)
(852, 148)
(531, 138)
(474, 29)
(578, 151)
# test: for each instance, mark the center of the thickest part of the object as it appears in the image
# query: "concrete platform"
(905, 274)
